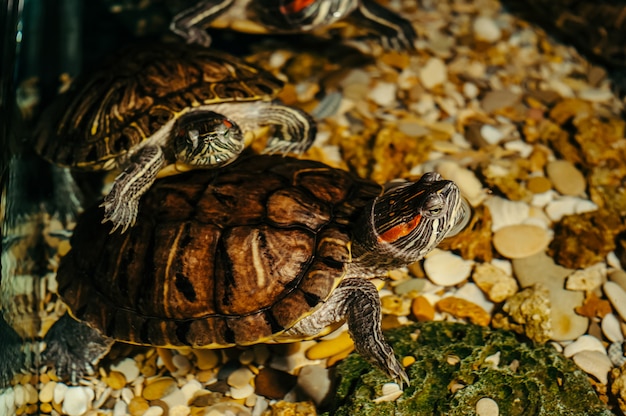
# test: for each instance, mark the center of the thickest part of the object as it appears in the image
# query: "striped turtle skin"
(268, 249)
(165, 107)
(292, 16)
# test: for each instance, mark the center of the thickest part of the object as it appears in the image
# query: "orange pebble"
(462, 308)
(422, 310)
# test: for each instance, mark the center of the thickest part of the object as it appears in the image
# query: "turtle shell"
(217, 258)
(108, 112)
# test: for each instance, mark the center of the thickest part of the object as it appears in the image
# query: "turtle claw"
(73, 348)
(120, 214)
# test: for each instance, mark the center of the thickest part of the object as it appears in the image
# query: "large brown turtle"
(165, 107)
(268, 249)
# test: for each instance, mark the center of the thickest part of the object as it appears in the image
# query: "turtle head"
(302, 15)
(409, 220)
(207, 139)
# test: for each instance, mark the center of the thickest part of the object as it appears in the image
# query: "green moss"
(452, 372)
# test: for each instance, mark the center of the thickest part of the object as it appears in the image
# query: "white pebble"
(182, 364)
(587, 279)
(242, 392)
(383, 93)
(180, 410)
(433, 73)
(175, 398)
(505, 212)
(153, 411)
(611, 328)
(472, 293)
(76, 400)
(561, 207)
(128, 367)
(447, 269)
(491, 134)
(486, 29)
(314, 381)
(595, 363)
(487, 407)
(120, 408)
(584, 343)
(470, 90)
(617, 297)
(240, 377)
(59, 392)
(190, 388)
(20, 395)
(595, 94)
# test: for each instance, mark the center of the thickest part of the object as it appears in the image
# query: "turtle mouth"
(463, 216)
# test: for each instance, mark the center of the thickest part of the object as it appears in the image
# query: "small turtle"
(268, 249)
(287, 16)
(157, 106)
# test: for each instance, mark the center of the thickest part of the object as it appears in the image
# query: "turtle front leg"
(357, 301)
(73, 348)
(294, 129)
(395, 31)
(122, 202)
(192, 22)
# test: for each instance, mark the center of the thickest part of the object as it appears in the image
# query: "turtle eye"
(192, 138)
(435, 211)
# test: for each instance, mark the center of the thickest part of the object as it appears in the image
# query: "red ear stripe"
(295, 6)
(399, 230)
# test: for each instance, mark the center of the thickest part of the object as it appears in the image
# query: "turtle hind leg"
(357, 301)
(12, 355)
(73, 348)
(122, 202)
(395, 31)
(294, 129)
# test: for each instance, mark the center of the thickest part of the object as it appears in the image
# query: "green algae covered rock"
(456, 365)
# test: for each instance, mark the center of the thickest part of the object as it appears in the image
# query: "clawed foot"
(122, 213)
(73, 348)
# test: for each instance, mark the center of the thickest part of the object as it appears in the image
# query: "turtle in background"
(292, 16)
(268, 249)
(156, 109)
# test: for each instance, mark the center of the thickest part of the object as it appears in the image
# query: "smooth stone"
(566, 178)
(486, 29)
(241, 392)
(618, 277)
(59, 392)
(615, 352)
(588, 279)
(504, 212)
(470, 90)
(584, 343)
(47, 392)
(159, 388)
(20, 395)
(491, 134)
(274, 384)
(292, 356)
(174, 398)
(328, 348)
(120, 408)
(240, 377)
(128, 367)
(471, 292)
(383, 93)
(154, 411)
(434, 72)
(487, 407)
(612, 328)
(559, 208)
(595, 94)
(410, 285)
(190, 388)
(617, 297)
(77, 400)
(315, 383)
(447, 269)
(540, 268)
(182, 364)
(538, 184)
(519, 241)
(206, 359)
(595, 363)
(497, 99)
